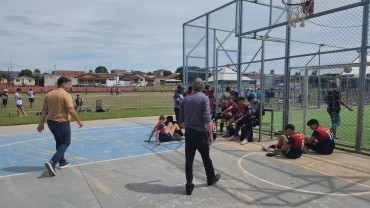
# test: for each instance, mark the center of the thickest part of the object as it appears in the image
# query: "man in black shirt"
(334, 100)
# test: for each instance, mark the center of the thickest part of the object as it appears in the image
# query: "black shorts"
(166, 137)
(325, 147)
(32, 100)
(292, 153)
(5, 101)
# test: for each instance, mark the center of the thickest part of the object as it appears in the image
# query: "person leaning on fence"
(291, 146)
(164, 133)
(251, 120)
(58, 105)
(334, 100)
(321, 140)
(195, 114)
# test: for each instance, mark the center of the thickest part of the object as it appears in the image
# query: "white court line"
(295, 189)
(4, 145)
(75, 129)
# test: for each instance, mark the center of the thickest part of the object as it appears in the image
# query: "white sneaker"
(232, 138)
(245, 141)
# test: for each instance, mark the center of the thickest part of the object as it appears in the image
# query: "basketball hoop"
(297, 12)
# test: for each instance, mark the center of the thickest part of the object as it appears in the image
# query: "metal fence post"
(362, 75)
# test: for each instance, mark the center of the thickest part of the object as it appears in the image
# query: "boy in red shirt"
(321, 140)
(164, 134)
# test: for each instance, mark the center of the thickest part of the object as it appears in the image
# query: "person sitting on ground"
(178, 134)
(321, 140)
(292, 147)
(164, 134)
(231, 110)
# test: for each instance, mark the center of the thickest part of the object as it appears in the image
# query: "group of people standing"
(18, 100)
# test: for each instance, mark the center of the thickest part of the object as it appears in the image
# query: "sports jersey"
(242, 110)
(212, 106)
(296, 142)
(18, 100)
(214, 130)
(160, 127)
(322, 134)
(235, 107)
(208, 92)
(30, 94)
(178, 98)
(187, 93)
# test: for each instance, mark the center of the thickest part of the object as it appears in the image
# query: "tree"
(166, 73)
(3, 75)
(25, 72)
(192, 75)
(149, 73)
(36, 71)
(101, 69)
(90, 71)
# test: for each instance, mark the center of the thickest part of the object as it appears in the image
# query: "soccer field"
(128, 104)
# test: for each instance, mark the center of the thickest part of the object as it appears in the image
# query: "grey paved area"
(249, 179)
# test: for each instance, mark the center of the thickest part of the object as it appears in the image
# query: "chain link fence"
(293, 67)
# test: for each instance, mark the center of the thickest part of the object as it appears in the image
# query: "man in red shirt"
(240, 118)
(227, 114)
(321, 140)
(291, 146)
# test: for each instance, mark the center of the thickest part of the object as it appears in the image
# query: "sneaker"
(271, 154)
(51, 167)
(232, 138)
(267, 149)
(245, 141)
(176, 137)
(214, 180)
(64, 165)
(182, 137)
(225, 134)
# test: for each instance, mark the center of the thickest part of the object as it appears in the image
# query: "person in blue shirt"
(178, 98)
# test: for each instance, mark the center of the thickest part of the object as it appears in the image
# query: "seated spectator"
(292, 147)
(240, 118)
(231, 110)
(251, 120)
(321, 140)
(164, 133)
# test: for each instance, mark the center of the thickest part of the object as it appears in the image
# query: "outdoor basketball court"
(117, 169)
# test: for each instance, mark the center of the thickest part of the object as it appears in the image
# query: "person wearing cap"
(4, 96)
(18, 102)
(178, 98)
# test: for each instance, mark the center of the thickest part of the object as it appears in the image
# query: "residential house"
(69, 73)
(119, 72)
(99, 79)
(24, 81)
(51, 79)
(134, 80)
(159, 72)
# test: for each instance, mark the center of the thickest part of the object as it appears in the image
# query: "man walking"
(19, 103)
(178, 98)
(195, 113)
(58, 106)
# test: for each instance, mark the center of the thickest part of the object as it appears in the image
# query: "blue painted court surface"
(28, 152)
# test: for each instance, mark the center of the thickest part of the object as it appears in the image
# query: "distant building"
(159, 72)
(134, 80)
(119, 72)
(71, 73)
(99, 79)
(24, 81)
(51, 79)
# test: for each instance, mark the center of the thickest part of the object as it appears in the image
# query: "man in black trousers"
(195, 114)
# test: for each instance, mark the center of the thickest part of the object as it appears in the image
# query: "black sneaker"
(63, 165)
(189, 189)
(271, 154)
(51, 167)
(214, 180)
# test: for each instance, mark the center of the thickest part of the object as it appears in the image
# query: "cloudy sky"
(73, 34)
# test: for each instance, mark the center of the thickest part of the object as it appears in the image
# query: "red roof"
(75, 73)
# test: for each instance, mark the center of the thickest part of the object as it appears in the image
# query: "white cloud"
(128, 34)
